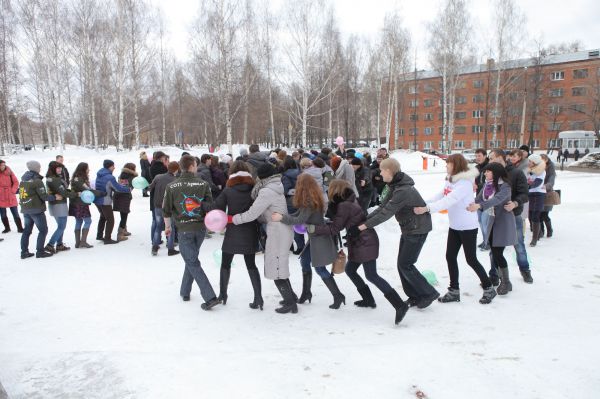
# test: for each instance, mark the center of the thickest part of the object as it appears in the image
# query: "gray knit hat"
(34, 166)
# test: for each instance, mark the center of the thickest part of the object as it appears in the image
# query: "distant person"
(122, 201)
(9, 186)
(558, 155)
(65, 173)
(587, 151)
(58, 208)
(145, 168)
(576, 154)
(106, 183)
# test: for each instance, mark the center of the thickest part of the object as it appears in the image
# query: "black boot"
(367, 300)
(306, 294)
(549, 230)
(505, 285)
(256, 286)
(398, 304)
(6, 225)
(289, 301)
(338, 297)
(84, 236)
(19, 224)
(77, 238)
(223, 283)
(535, 234)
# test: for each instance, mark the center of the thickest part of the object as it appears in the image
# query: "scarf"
(260, 183)
(488, 190)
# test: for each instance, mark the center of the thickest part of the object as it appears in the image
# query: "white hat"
(535, 158)
(225, 158)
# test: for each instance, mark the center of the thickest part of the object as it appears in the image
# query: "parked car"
(469, 155)
(437, 154)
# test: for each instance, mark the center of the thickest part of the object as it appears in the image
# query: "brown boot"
(121, 235)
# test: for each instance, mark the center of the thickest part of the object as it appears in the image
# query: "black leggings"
(106, 223)
(226, 260)
(123, 222)
(468, 240)
(498, 253)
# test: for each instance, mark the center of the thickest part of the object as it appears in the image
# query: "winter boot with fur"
(505, 285)
(488, 295)
(367, 300)
(121, 235)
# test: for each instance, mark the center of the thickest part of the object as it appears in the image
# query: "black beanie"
(108, 163)
(265, 170)
(524, 148)
(356, 161)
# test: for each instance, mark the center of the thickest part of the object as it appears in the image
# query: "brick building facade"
(539, 97)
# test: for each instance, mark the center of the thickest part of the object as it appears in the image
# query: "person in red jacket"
(9, 184)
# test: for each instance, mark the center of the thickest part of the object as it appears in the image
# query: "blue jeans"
(159, 223)
(414, 284)
(86, 222)
(305, 261)
(189, 245)
(519, 249)
(57, 236)
(370, 269)
(39, 219)
(153, 227)
(13, 210)
(483, 218)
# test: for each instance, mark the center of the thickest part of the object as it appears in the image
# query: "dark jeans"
(370, 269)
(305, 261)
(106, 222)
(39, 219)
(299, 239)
(226, 260)
(189, 246)
(13, 210)
(158, 225)
(467, 239)
(414, 284)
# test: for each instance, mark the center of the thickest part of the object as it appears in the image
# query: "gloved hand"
(310, 228)
(229, 219)
(353, 231)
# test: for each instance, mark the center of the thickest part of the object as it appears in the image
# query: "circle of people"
(329, 193)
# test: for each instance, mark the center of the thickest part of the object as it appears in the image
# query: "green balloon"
(217, 256)
(430, 277)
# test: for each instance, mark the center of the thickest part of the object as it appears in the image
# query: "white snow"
(108, 322)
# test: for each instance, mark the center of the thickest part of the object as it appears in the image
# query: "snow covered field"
(108, 322)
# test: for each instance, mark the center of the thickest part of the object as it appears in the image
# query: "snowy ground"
(108, 322)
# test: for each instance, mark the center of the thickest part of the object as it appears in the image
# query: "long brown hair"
(308, 193)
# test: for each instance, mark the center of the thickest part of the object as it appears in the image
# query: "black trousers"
(123, 222)
(498, 253)
(226, 260)
(467, 239)
(106, 223)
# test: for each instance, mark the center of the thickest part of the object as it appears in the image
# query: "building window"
(578, 108)
(560, 75)
(553, 143)
(577, 125)
(476, 129)
(514, 128)
(401, 132)
(461, 100)
(441, 130)
(478, 84)
(414, 103)
(412, 89)
(495, 113)
(428, 88)
(580, 73)
(554, 109)
(556, 93)
(536, 143)
(578, 91)
(414, 131)
(479, 98)
(554, 126)
(476, 143)
(413, 117)
(459, 144)
(461, 85)
(513, 143)
(534, 127)
(427, 145)
(460, 115)
(460, 129)
(495, 143)
(428, 103)
(428, 131)
(428, 117)
(478, 113)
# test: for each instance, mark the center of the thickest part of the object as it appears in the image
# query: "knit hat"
(265, 170)
(108, 163)
(243, 152)
(226, 158)
(535, 158)
(34, 166)
(356, 161)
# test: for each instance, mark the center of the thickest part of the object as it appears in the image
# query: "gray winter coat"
(269, 199)
(322, 249)
(317, 174)
(503, 224)
(549, 181)
(159, 184)
(346, 172)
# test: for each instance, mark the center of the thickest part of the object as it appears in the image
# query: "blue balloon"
(87, 196)
(358, 155)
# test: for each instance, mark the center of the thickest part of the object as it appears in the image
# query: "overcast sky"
(554, 21)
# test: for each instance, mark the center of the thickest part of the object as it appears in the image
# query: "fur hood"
(538, 169)
(129, 172)
(237, 179)
(470, 175)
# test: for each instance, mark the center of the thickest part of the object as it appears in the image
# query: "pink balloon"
(215, 220)
(339, 140)
(300, 228)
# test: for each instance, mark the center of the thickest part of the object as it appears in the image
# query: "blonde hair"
(390, 164)
(305, 163)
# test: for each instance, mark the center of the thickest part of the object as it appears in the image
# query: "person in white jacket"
(456, 196)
